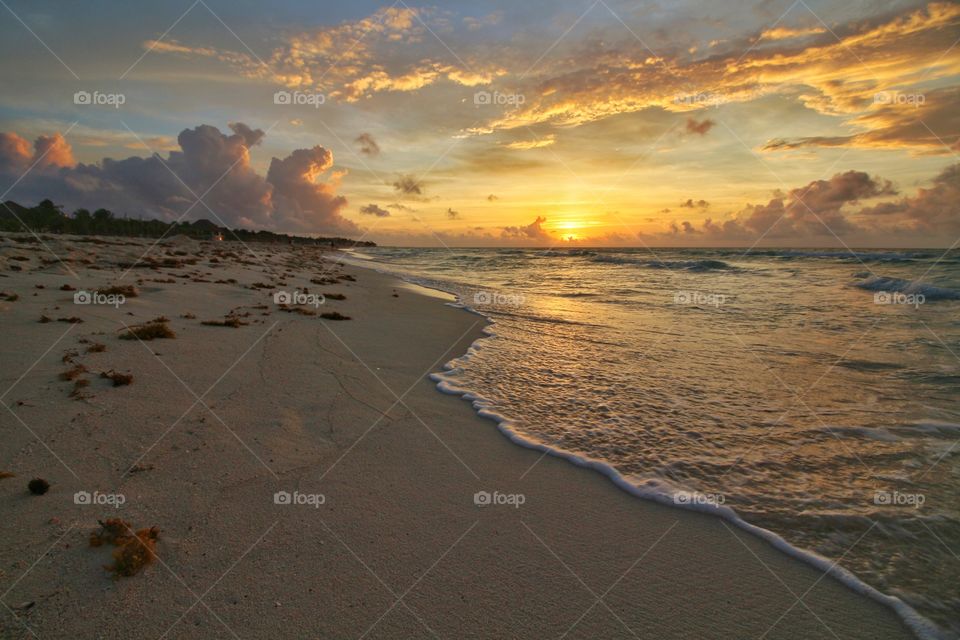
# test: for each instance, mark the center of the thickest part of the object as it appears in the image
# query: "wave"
(562, 253)
(683, 265)
(914, 287)
(858, 256)
(661, 492)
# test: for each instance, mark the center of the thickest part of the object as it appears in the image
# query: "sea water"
(812, 394)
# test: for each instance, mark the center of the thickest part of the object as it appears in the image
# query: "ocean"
(810, 393)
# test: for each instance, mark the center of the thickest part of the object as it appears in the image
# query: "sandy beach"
(309, 481)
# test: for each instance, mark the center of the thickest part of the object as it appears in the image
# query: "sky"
(560, 123)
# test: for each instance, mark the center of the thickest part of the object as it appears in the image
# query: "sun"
(569, 230)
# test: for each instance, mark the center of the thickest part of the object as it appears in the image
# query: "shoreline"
(223, 418)
(921, 626)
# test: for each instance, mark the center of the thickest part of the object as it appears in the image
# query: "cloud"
(834, 76)
(932, 211)
(905, 120)
(453, 215)
(15, 153)
(355, 59)
(48, 151)
(475, 24)
(691, 204)
(533, 231)
(700, 128)
(208, 164)
(401, 207)
(251, 137)
(368, 146)
(786, 33)
(299, 199)
(408, 185)
(492, 198)
(824, 211)
(536, 143)
(374, 210)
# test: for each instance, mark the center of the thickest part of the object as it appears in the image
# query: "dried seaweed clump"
(115, 531)
(73, 372)
(333, 315)
(228, 321)
(125, 290)
(133, 551)
(118, 379)
(152, 330)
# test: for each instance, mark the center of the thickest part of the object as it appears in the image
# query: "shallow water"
(813, 392)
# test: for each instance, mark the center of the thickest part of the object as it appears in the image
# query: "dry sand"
(219, 419)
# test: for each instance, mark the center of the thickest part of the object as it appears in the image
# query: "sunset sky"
(485, 123)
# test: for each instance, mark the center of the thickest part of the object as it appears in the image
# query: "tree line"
(48, 217)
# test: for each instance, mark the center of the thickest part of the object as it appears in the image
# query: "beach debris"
(140, 467)
(97, 347)
(38, 486)
(155, 329)
(126, 290)
(228, 321)
(67, 287)
(44, 319)
(334, 315)
(334, 296)
(118, 379)
(78, 386)
(115, 531)
(136, 553)
(73, 372)
(133, 551)
(71, 320)
(7, 474)
(9, 297)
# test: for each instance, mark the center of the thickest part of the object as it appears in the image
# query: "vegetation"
(118, 379)
(48, 217)
(149, 331)
(133, 552)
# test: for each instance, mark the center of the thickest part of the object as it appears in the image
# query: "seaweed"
(155, 329)
(118, 379)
